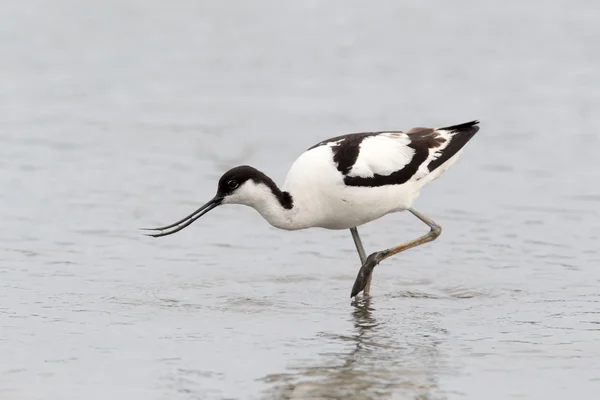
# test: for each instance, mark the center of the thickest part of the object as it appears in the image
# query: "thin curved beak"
(187, 221)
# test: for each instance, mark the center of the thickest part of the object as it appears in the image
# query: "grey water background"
(118, 115)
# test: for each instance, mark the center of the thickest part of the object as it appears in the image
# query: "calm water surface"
(122, 114)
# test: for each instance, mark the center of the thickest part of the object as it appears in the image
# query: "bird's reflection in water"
(395, 357)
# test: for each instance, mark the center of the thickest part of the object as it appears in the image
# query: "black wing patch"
(421, 140)
(345, 153)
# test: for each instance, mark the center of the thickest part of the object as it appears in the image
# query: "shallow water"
(123, 114)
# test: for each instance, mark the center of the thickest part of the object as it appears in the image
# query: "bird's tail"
(461, 134)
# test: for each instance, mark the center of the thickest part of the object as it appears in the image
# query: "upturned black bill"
(187, 221)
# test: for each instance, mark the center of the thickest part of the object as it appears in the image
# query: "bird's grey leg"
(375, 258)
(363, 258)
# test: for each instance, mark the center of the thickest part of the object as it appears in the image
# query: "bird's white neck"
(275, 206)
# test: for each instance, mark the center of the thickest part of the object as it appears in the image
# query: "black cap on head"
(237, 176)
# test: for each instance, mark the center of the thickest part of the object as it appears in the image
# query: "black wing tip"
(462, 133)
(461, 127)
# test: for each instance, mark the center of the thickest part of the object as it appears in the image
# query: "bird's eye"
(232, 184)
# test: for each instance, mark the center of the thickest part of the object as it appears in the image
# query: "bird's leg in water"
(363, 258)
(364, 275)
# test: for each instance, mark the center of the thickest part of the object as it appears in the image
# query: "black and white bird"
(345, 182)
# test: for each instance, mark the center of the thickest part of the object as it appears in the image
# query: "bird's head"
(240, 185)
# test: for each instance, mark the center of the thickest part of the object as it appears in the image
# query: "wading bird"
(345, 182)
